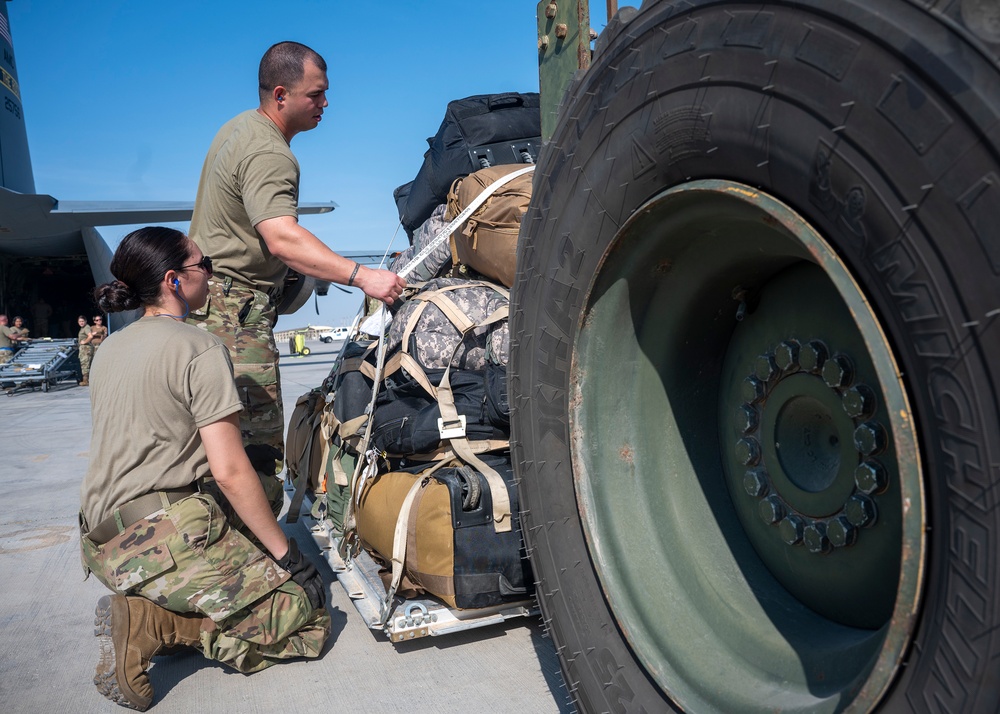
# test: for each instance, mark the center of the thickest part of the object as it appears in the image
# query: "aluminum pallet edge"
(410, 619)
(38, 364)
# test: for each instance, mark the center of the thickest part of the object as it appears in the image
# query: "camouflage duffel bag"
(450, 321)
(438, 262)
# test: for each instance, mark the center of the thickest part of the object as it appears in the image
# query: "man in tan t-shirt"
(8, 336)
(246, 219)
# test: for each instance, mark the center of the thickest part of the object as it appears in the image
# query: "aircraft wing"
(38, 224)
(113, 213)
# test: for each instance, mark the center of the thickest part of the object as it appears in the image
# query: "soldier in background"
(86, 350)
(98, 332)
(22, 331)
(8, 336)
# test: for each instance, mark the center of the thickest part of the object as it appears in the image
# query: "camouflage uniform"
(188, 559)
(6, 346)
(243, 319)
(86, 351)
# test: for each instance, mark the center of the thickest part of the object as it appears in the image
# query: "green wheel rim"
(746, 460)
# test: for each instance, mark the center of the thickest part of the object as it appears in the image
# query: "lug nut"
(838, 372)
(543, 42)
(753, 389)
(859, 402)
(786, 356)
(765, 368)
(551, 9)
(771, 510)
(813, 356)
(748, 451)
(748, 418)
(870, 438)
(791, 529)
(841, 533)
(756, 483)
(815, 539)
(871, 477)
(860, 511)
(561, 31)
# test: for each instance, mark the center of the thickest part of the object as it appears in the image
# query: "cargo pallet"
(38, 366)
(409, 619)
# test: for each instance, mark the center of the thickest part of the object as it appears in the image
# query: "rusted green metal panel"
(563, 48)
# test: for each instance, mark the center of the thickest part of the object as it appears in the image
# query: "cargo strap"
(440, 299)
(451, 430)
(464, 449)
(459, 445)
(377, 322)
(136, 510)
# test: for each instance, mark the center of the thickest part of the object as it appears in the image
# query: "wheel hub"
(736, 405)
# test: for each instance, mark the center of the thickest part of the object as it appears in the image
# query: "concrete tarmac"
(47, 644)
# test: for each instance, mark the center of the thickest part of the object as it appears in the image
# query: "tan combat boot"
(131, 631)
(84, 383)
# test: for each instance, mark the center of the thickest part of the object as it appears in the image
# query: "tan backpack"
(487, 242)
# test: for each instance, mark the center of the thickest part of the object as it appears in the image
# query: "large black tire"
(757, 224)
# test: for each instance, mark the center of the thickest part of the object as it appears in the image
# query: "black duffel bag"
(478, 131)
(406, 420)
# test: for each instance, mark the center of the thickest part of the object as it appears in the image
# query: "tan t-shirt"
(249, 175)
(152, 386)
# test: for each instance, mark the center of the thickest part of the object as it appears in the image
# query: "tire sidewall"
(926, 271)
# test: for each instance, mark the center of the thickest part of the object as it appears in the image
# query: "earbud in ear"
(280, 98)
(176, 282)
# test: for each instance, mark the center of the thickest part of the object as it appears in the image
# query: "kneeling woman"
(164, 416)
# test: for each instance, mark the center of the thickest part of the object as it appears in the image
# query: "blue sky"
(122, 97)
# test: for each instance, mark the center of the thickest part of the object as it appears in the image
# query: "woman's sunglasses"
(205, 264)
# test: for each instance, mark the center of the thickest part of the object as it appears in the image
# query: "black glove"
(304, 574)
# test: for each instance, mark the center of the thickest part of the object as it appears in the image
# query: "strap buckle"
(453, 429)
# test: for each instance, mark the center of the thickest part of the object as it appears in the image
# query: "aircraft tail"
(15, 162)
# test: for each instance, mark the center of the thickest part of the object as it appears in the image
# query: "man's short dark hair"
(284, 64)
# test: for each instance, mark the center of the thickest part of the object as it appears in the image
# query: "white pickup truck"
(336, 334)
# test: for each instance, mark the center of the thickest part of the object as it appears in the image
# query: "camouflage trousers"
(244, 319)
(86, 357)
(188, 559)
(6, 356)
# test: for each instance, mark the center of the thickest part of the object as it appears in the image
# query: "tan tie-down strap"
(462, 447)
(406, 361)
(403, 359)
(440, 298)
(483, 446)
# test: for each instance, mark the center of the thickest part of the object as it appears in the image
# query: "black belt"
(135, 510)
(274, 292)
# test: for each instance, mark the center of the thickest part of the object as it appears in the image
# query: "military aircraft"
(50, 248)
